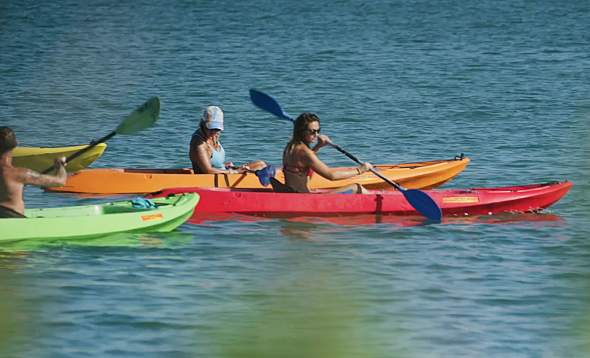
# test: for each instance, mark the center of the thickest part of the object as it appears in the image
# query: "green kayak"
(76, 222)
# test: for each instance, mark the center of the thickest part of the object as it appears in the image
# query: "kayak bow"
(39, 158)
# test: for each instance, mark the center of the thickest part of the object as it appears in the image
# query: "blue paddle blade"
(267, 103)
(265, 174)
(423, 204)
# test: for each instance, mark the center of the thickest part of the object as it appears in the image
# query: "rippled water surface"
(505, 82)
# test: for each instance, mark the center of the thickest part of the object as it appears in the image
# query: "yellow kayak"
(40, 159)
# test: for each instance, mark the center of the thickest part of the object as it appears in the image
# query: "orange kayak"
(420, 175)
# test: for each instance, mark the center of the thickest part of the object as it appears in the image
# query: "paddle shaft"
(384, 178)
(143, 117)
(84, 150)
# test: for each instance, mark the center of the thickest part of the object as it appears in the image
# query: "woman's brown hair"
(300, 128)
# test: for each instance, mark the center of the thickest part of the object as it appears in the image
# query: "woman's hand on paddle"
(231, 168)
(243, 169)
(365, 167)
(322, 141)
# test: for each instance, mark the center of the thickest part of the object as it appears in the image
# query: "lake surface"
(505, 82)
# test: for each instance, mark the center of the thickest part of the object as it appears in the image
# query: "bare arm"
(31, 177)
(333, 173)
(204, 162)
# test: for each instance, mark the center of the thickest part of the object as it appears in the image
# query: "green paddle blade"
(143, 117)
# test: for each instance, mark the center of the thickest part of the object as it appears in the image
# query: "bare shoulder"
(198, 142)
(201, 147)
(197, 146)
(307, 152)
(304, 154)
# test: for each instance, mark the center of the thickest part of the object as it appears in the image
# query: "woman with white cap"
(206, 152)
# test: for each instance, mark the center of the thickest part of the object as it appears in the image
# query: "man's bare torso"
(11, 187)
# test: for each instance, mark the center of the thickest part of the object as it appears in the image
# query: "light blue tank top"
(217, 156)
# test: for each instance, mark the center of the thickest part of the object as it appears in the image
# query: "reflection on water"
(395, 220)
(139, 240)
(299, 231)
(202, 219)
(146, 240)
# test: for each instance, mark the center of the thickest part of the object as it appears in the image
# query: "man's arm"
(31, 177)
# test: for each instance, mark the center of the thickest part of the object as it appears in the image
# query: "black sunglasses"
(313, 131)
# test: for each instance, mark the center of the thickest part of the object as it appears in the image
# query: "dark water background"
(505, 82)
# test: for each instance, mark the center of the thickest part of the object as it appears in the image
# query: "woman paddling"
(300, 160)
(206, 152)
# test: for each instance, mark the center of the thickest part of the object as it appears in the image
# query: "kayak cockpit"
(159, 171)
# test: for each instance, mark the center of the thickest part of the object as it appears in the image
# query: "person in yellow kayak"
(206, 152)
(13, 179)
(300, 160)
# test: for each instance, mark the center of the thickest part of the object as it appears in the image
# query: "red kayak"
(453, 202)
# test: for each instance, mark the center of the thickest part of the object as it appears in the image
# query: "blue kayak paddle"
(421, 201)
(143, 117)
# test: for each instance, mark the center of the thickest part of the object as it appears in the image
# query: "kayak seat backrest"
(279, 187)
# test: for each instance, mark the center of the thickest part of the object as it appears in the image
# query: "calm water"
(505, 82)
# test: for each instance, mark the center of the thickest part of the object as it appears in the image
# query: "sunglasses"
(313, 131)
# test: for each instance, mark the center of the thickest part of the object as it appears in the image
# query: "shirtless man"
(13, 179)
